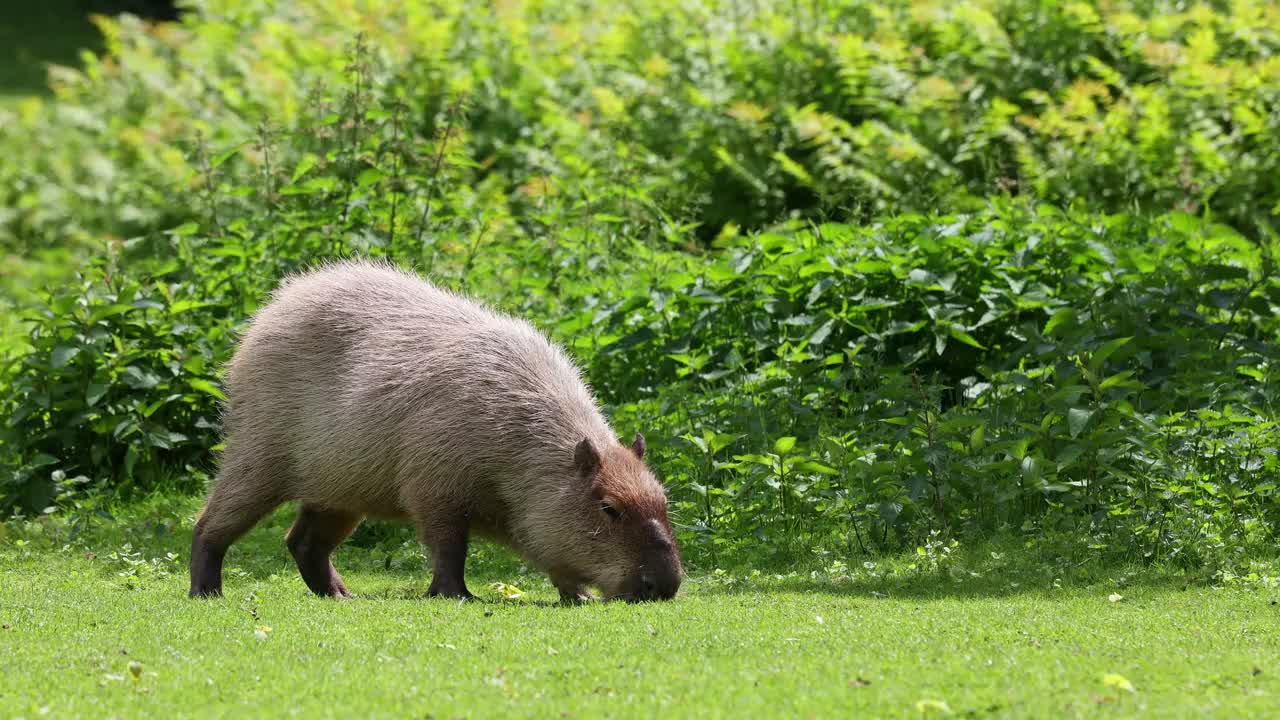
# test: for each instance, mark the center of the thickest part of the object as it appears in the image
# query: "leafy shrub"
(118, 387)
(1008, 370)
(837, 111)
(692, 212)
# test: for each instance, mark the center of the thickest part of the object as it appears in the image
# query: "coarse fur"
(363, 390)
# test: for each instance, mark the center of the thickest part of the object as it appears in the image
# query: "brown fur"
(362, 390)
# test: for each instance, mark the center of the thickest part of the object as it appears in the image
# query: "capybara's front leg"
(448, 541)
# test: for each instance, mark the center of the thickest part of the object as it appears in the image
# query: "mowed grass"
(892, 642)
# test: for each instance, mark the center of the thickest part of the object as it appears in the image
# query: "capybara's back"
(361, 390)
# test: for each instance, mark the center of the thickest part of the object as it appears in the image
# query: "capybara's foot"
(574, 594)
(205, 592)
(331, 588)
(312, 540)
(325, 581)
(453, 591)
(336, 590)
(578, 597)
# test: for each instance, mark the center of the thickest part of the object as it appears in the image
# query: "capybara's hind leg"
(312, 539)
(206, 567)
(232, 510)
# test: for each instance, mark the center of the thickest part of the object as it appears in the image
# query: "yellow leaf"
(1119, 682)
(932, 707)
(508, 592)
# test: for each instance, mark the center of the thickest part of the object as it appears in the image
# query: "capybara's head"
(629, 550)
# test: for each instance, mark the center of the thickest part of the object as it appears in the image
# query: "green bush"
(701, 114)
(119, 387)
(1009, 370)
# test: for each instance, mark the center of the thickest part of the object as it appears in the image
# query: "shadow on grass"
(418, 593)
(988, 568)
(387, 553)
(159, 527)
(936, 585)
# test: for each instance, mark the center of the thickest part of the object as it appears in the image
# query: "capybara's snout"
(658, 580)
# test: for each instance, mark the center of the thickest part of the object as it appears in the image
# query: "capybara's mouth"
(633, 599)
(645, 591)
(656, 598)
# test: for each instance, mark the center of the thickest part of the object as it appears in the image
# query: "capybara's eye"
(613, 512)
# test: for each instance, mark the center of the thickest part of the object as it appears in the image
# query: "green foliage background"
(868, 275)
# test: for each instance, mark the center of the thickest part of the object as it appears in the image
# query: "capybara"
(361, 390)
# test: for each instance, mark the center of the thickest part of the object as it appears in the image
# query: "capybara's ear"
(586, 458)
(637, 446)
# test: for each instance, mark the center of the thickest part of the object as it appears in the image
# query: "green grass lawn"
(76, 614)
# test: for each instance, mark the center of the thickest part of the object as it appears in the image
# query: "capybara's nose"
(644, 588)
(651, 587)
(668, 588)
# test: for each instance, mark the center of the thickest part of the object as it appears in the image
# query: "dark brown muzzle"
(659, 577)
(661, 585)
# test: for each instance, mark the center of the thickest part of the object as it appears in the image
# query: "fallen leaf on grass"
(932, 707)
(1119, 682)
(507, 591)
